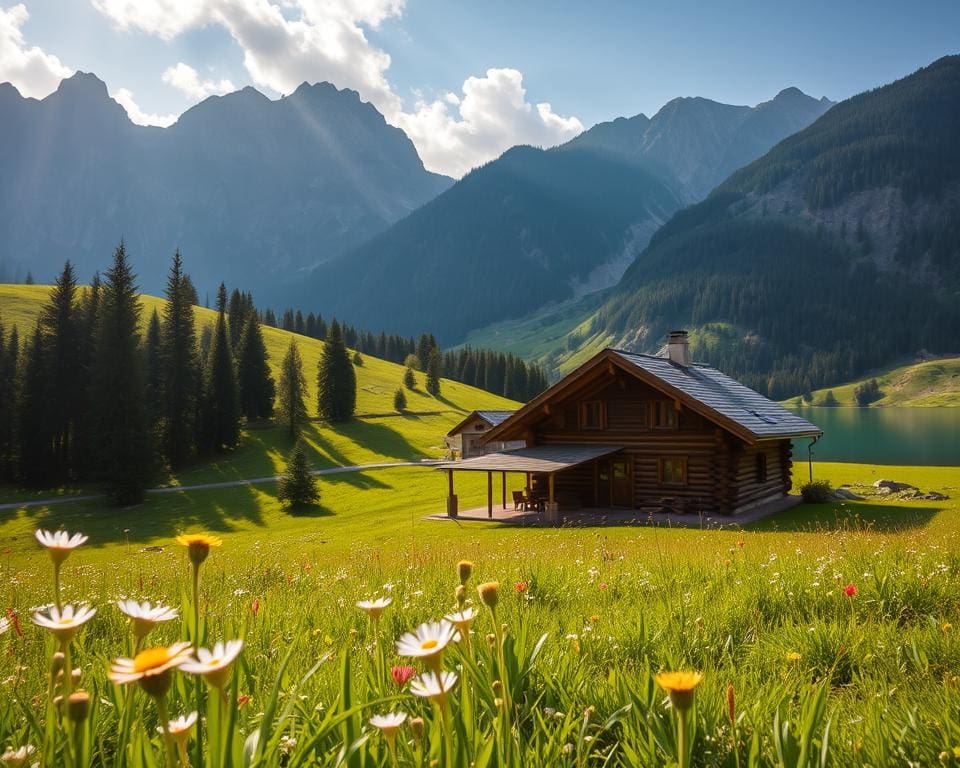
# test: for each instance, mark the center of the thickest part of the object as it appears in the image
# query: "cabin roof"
(704, 389)
(493, 418)
(540, 459)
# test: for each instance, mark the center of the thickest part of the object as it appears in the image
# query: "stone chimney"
(678, 348)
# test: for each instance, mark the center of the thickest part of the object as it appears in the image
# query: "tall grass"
(797, 668)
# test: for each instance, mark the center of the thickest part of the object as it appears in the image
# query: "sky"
(467, 79)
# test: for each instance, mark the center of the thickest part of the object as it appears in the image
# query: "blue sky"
(426, 64)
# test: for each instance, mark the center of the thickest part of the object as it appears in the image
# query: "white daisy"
(214, 666)
(151, 668)
(64, 622)
(179, 727)
(462, 619)
(433, 686)
(144, 617)
(4, 625)
(389, 724)
(60, 543)
(427, 642)
(17, 757)
(374, 607)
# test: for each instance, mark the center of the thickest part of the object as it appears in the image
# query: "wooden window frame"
(602, 412)
(762, 471)
(670, 407)
(661, 462)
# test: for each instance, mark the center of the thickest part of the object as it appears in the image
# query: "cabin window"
(593, 415)
(479, 426)
(673, 470)
(761, 467)
(664, 415)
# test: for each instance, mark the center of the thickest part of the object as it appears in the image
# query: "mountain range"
(252, 190)
(535, 226)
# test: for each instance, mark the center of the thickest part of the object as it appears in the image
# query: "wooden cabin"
(634, 431)
(465, 439)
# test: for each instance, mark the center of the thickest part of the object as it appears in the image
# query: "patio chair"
(519, 501)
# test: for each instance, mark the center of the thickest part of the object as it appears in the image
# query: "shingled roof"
(493, 418)
(702, 388)
(726, 396)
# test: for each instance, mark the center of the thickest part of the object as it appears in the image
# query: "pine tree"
(409, 379)
(291, 397)
(85, 455)
(61, 330)
(8, 373)
(336, 379)
(29, 280)
(433, 372)
(236, 317)
(181, 368)
(297, 487)
(33, 441)
(122, 441)
(399, 400)
(257, 389)
(153, 376)
(221, 401)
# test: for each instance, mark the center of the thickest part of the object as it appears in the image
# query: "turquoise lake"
(929, 436)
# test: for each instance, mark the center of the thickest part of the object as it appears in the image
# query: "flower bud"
(78, 706)
(464, 569)
(497, 687)
(416, 725)
(56, 663)
(461, 593)
(489, 593)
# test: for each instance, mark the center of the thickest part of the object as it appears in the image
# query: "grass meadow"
(810, 674)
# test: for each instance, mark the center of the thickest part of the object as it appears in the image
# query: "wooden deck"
(591, 517)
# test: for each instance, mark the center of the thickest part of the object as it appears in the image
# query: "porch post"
(503, 478)
(489, 494)
(552, 507)
(451, 496)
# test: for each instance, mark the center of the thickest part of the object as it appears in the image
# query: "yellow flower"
(793, 656)
(150, 668)
(947, 626)
(198, 545)
(489, 593)
(680, 686)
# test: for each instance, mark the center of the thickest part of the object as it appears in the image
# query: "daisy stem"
(67, 671)
(447, 733)
(392, 749)
(184, 757)
(198, 685)
(171, 756)
(56, 585)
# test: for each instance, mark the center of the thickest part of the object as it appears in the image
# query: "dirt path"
(223, 484)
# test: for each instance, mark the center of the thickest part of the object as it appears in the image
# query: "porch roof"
(545, 459)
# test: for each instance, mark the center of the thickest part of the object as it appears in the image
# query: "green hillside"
(377, 434)
(933, 383)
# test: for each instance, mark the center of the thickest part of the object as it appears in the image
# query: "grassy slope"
(934, 383)
(377, 435)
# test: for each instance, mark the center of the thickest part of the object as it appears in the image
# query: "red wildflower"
(401, 675)
(850, 590)
(15, 620)
(242, 699)
(521, 586)
(255, 606)
(602, 585)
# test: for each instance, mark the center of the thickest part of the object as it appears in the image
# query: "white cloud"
(185, 79)
(287, 42)
(33, 72)
(124, 97)
(491, 116)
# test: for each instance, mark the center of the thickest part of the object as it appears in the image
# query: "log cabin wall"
(631, 419)
(763, 472)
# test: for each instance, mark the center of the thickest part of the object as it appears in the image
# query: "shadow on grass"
(309, 511)
(848, 516)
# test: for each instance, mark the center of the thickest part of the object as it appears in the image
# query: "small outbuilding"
(465, 439)
(649, 432)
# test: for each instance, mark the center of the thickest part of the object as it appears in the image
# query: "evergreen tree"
(270, 319)
(236, 317)
(8, 406)
(433, 373)
(297, 487)
(221, 400)
(336, 379)
(61, 330)
(122, 441)
(85, 454)
(409, 379)
(257, 389)
(399, 400)
(34, 441)
(291, 397)
(423, 351)
(29, 280)
(153, 376)
(180, 362)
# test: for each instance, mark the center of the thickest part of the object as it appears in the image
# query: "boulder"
(845, 493)
(894, 486)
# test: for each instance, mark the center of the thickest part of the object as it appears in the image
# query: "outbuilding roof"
(493, 418)
(541, 459)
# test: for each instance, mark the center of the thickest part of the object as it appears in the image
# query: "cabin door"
(614, 483)
(621, 485)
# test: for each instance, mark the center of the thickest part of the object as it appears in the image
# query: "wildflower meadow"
(553, 648)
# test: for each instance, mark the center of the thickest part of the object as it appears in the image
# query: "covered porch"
(539, 465)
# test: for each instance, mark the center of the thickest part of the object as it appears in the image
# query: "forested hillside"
(837, 252)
